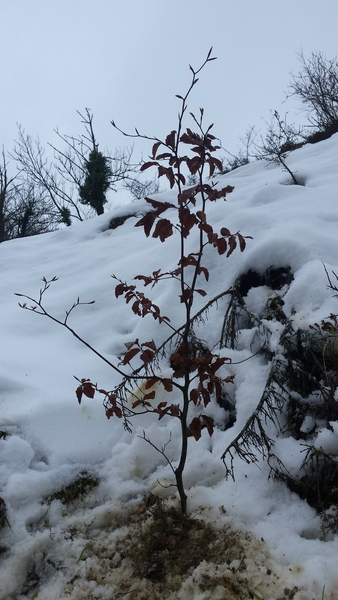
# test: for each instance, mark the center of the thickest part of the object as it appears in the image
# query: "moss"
(82, 485)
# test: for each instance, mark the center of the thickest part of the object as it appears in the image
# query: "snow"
(51, 439)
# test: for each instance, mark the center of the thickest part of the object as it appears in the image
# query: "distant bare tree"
(33, 162)
(316, 85)
(29, 212)
(24, 209)
(140, 189)
(7, 186)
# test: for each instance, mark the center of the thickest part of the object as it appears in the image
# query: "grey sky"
(126, 59)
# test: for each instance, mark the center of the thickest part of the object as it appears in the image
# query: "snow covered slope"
(51, 439)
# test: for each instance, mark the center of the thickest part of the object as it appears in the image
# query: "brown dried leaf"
(188, 220)
(205, 272)
(167, 384)
(169, 173)
(150, 382)
(88, 389)
(148, 164)
(186, 138)
(232, 244)
(194, 164)
(174, 410)
(159, 207)
(202, 216)
(242, 242)
(225, 231)
(218, 163)
(79, 394)
(109, 413)
(195, 396)
(150, 345)
(149, 396)
(195, 428)
(147, 356)
(163, 229)
(209, 424)
(188, 260)
(129, 345)
(186, 296)
(136, 308)
(205, 395)
(155, 148)
(147, 222)
(221, 245)
(119, 289)
(118, 412)
(170, 139)
(129, 355)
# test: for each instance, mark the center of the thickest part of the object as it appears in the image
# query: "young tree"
(243, 156)
(279, 140)
(316, 86)
(195, 370)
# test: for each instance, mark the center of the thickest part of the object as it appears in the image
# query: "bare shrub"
(316, 86)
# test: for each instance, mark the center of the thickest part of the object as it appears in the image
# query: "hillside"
(116, 532)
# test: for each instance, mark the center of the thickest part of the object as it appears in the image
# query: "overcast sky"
(126, 60)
